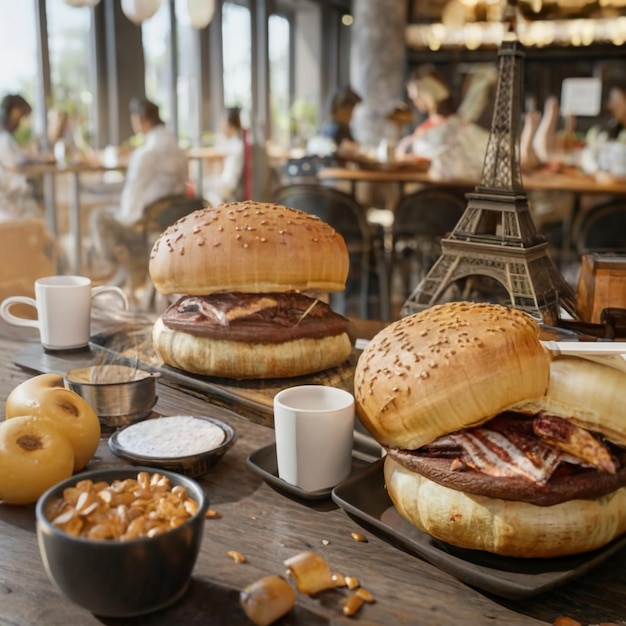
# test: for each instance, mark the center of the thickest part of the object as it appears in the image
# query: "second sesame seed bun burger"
(245, 272)
(492, 444)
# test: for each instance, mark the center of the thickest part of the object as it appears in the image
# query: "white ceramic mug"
(63, 305)
(314, 427)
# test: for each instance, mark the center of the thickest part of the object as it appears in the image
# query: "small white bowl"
(150, 442)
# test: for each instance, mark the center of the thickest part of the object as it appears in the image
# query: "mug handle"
(96, 291)
(6, 314)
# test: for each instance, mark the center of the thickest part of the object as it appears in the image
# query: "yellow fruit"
(34, 456)
(46, 396)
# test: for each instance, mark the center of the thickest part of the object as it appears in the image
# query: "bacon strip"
(515, 446)
(203, 308)
(494, 454)
(574, 440)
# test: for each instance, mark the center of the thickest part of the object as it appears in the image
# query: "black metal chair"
(367, 264)
(305, 169)
(134, 255)
(602, 228)
(421, 219)
(163, 212)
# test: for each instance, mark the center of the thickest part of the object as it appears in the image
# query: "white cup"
(63, 305)
(314, 427)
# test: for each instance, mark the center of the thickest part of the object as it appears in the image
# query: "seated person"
(432, 98)
(478, 94)
(17, 197)
(453, 143)
(227, 186)
(66, 138)
(605, 152)
(335, 135)
(616, 105)
(156, 169)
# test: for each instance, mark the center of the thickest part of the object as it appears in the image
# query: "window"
(157, 46)
(280, 88)
(18, 51)
(155, 36)
(237, 47)
(72, 67)
(187, 84)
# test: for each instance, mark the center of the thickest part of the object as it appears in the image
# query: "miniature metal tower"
(496, 237)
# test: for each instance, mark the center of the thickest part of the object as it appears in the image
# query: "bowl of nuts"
(121, 542)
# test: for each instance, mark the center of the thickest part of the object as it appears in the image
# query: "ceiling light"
(200, 12)
(138, 11)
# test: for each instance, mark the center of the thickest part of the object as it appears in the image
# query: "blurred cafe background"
(374, 114)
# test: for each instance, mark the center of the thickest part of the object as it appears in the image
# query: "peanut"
(124, 510)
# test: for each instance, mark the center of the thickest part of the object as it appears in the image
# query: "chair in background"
(421, 220)
(347, 217)
(305, 169)
(135, 254)
(602, 228)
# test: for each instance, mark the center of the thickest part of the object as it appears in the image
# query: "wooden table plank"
(268, 527)
(540, 180)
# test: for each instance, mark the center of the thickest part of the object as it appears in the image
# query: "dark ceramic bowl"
(115, 578)
(194, 465)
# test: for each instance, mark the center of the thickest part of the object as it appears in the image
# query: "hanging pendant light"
(200, 12)
(138, 11)
(82, 3)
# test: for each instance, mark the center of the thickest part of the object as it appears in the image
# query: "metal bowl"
(119, 394)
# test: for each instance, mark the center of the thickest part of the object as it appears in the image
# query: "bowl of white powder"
(186, 444)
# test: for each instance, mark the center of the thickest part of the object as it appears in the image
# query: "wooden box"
(602, 284)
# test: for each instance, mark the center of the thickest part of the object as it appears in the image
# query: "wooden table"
(568, 180)
(74, 170)
(269, 527)
(540, 180)
(212, 156)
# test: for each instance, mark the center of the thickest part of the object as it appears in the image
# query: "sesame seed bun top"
(251, 247)
(449, 367)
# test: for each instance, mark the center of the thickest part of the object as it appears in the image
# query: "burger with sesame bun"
(491, 444)
(245, 274)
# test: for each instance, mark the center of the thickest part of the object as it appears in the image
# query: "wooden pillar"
(378, 59)
(213, 88)
(172, 120)
(43, 96)
(125, 70)
(260, 122)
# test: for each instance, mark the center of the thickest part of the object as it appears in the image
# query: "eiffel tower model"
(496, 237)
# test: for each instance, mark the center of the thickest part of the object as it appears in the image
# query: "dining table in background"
(386, 173)
(544, 179)
(49, 172)
(205, 157)
(586, 189)
(268, 525)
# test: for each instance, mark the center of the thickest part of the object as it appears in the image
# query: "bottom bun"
(237, 359)
(505, 527)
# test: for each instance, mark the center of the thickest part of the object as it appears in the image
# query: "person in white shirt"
(17, 198)
(228, 185)
(156, 169)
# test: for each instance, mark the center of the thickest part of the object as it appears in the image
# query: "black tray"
(250, 398)
(364, 497)
(263, 463)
